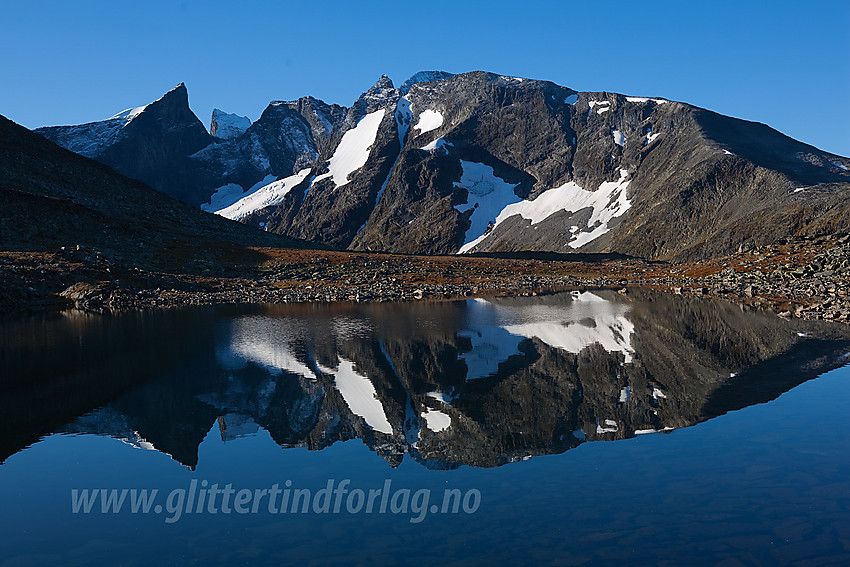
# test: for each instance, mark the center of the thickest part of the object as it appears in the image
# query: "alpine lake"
(583, 428)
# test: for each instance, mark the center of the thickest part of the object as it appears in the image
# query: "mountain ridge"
(459, 163)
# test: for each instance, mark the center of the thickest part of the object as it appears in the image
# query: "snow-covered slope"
(353, 149)
(607, 203)
(265, 196)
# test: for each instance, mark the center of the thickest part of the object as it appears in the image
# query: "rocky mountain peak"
(382, 91)
(176, 97)
(381, 85)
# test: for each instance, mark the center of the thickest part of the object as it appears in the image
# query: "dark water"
(579, 429)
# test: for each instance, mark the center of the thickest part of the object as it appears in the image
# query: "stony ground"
(807, 279)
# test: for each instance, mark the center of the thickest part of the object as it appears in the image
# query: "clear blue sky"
(786, 64)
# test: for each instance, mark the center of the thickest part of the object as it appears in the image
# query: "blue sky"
(786, 64)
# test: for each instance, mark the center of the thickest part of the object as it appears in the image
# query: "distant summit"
(228, 126)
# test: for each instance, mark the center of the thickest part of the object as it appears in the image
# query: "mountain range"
(480, 162)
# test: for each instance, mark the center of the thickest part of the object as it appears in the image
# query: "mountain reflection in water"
(478, 382)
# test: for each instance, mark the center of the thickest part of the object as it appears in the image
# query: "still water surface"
(577, 429)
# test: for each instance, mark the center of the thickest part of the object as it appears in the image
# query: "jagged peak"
(424, 77)
(382, 84)
(378, 95)
(179, 94)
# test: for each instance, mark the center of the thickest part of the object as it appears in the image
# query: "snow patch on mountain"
(646, 99)
(403, 118)
(264, 341)
(838, 165)
(226, 195)
(650, 137)
(604, 106)
(92, 138)
(228, 126)
(441, 397)
(608, 202)
(488, 195)
(353, 150)
(436, 145)
(491, 345)
(429, 120)
(264, 196)
(619, 138)
(587, 320)
(223, 197)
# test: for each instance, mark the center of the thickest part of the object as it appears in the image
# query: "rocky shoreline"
(805, 279)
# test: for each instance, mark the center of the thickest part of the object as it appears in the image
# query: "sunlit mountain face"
(478, 382)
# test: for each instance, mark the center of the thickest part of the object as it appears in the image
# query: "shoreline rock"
(807, 279)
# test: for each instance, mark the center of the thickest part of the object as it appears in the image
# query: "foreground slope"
(54, 198)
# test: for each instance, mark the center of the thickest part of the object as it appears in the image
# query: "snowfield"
(646, 99)
(573, 333)
(608, 202)
(436, 145)
(488, 196)
(353, 150)
(227, 195)
(604, 106)
(429, 120)
(587, 320)
(128, 115)
(265, 196)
